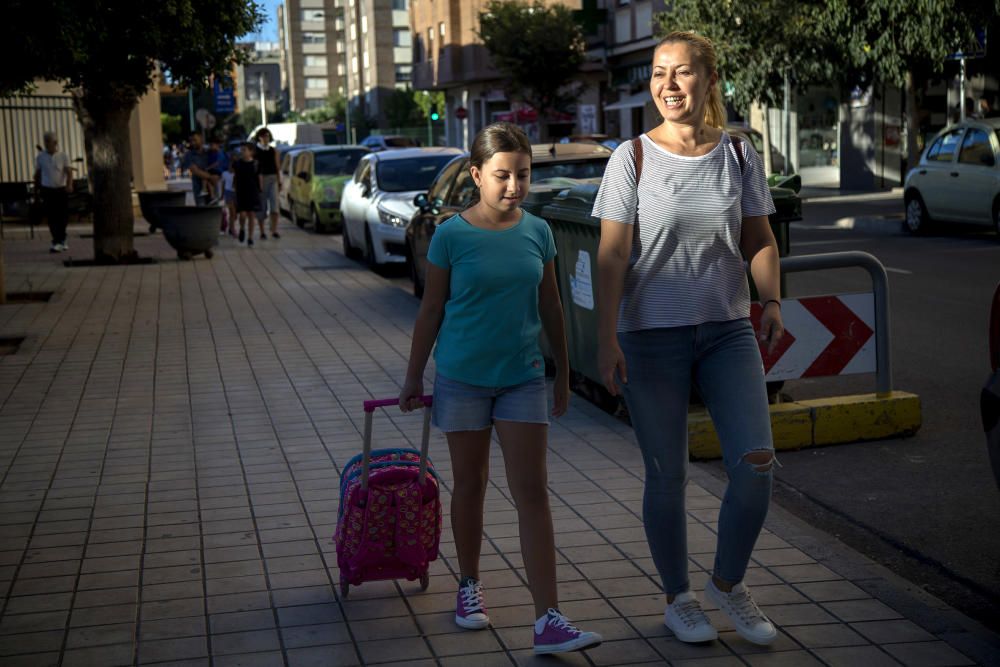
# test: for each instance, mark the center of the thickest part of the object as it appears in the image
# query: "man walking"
(54, 181)
(197, 161)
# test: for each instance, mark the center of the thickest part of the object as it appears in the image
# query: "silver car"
(378, 200)
(957, 178)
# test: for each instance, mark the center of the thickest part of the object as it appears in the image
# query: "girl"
(674, 309)
(229, 195)
(490, 288)
(248, 186)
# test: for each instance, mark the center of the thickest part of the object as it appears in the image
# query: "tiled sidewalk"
(171, 437)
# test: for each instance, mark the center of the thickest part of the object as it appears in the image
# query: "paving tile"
(342, 655)
(860, 610)
(825, 635)
(319, 635)
(99, 656)
(240, 621)
(892, 632)
(173, 628)
(463, 643)
(405, 648)
(50, 620)
(783, 659)
(853, 656)
(245, 642)
(117, 633)
(927, 654)
(309, 615)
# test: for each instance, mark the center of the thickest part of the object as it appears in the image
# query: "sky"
(269, 30)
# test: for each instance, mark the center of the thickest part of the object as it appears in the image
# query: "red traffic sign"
(824, 335)
(461, 113)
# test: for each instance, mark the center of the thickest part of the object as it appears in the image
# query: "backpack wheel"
(425, 581)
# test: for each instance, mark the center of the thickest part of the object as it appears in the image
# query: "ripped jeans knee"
(762, 461)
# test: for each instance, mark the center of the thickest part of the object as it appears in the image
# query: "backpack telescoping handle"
(370, 407)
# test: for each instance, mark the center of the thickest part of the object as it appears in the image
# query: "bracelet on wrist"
(774, 301)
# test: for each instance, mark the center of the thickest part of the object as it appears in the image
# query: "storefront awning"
(629, 102)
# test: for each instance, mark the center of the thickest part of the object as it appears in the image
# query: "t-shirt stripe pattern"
(685, 267)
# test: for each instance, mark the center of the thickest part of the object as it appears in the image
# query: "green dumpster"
(577, 236)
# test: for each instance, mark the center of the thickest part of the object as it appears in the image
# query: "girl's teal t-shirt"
(489, 335)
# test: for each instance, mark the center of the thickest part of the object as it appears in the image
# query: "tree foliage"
(171, 126)
(402, 110)
(538, 48)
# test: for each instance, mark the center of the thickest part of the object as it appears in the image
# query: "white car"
(378, 200)
(388, 142)
(957, 178)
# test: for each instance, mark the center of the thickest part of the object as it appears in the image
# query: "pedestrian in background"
(674, 309)
(249, 183)
(54, 182)
(197, 161)
(218, 166)
(491, 287)
(269, 160)
(229, 199)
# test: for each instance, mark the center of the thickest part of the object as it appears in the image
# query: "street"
(927, 506)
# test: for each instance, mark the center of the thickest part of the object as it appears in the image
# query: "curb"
(818, 422)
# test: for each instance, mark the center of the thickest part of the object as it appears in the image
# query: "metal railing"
(880, 288)
(23, 121)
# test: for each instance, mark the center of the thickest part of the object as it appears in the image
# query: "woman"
(491, 287)
(677, 220)
(269, 162)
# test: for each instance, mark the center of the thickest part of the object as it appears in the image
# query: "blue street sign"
(225, 98)
(979, 51)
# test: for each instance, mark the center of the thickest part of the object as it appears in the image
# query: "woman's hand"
(611, 360)
(771, 326)
(560, 394)
(409, 397)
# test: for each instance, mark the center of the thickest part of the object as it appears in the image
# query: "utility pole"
(263, 101)
(961, 88)
(787, 132)
(191, 108)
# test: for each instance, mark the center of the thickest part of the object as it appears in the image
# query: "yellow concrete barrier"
(821, 421)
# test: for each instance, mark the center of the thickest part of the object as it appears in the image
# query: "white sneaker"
(748, 620)
(685, 619)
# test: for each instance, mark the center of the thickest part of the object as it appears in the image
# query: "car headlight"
(387, 218)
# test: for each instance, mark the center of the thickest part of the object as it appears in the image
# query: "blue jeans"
(723, 361)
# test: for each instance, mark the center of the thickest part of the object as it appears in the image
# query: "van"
(290, 134)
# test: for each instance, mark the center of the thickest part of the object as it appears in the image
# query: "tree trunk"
(106, 131)
(912, 123)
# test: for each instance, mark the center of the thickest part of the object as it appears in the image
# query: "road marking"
(889, 269)
(808, 243)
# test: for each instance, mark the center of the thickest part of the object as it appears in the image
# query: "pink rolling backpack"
(389, 523)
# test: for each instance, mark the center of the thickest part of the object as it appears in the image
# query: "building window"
(315, 103)
(340, 46)
(313, 15)
(315, 61)
(441, 28)
(404, 73)
(399, 5)
(364, 25)
(314, 38)
(430, 40)
(340, 69)
(367, 63)
(316, 83)
(401, 37)
(354, 64)
(338, 24)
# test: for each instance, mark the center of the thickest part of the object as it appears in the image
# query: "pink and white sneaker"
(470, 610)
(555, 634)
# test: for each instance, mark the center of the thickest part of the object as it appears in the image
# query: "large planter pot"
(151, 200)
(190, 230)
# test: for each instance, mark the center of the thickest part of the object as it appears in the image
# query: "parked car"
(756, 139)
(317, 184)
(288, 154)
(957, 178)
(384, 142)
(554, 168)
(989, 402)
(378, 200)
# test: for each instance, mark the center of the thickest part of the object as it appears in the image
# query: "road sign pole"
(961, 88)
(191, 107)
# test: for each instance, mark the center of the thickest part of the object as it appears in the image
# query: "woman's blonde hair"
(715, 110)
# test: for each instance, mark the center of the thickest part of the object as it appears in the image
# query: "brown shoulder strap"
(637, 151)
(738, 145)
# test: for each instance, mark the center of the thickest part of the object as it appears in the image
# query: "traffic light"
(435, 115)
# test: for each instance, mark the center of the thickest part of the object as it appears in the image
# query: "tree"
(107, 53)
(401, 110)
(538, 48)
(427, 101)
(901, 46)
(760, 43)
(171, 125)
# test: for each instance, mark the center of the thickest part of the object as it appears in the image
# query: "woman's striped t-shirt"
(686, 267)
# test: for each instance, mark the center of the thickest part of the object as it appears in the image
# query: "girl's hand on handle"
(611, 361)
(410, 396)
(771, 326)
(560, 394)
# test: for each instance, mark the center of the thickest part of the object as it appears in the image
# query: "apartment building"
(263, 70)
(311, 42)
(379, 53)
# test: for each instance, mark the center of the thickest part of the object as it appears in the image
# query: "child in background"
(248, 181)
(491, 288)
(229, 195)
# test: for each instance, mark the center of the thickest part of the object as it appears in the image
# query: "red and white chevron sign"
(824, 335)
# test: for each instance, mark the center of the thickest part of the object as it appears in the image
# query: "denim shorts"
(466, 407)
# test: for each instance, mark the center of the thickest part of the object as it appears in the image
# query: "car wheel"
(917, 219)
(349, 250)
(418, 283)
(369, 247)
(318, 226)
